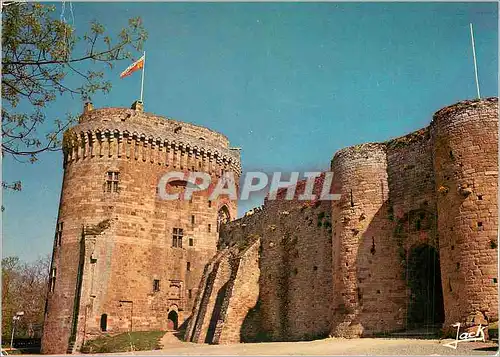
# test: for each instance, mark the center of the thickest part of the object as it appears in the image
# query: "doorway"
(426, 306)
(172, 320)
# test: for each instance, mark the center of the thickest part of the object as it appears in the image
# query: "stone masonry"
(412, 242)
(124, 259)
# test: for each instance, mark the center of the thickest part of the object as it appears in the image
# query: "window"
(52, 283)
(222, 217)
(58, 238)
(209, 228)
(104, 322)
(190, 293)
(112, 182)
(209, 204)
(192, 219)
(191, 242)
(188, 266)
(156, 285)
(177, 238)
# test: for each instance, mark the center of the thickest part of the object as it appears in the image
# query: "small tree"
(39, 51)
(24, 288)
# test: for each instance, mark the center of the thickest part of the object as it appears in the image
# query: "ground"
(333, 346)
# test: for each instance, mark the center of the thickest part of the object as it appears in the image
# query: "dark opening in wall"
(458, 266)
(191, 242)
(188, 266)
(104, 322)
(495, 280)
(352, 200)
(378, 291)
(190, 293)
(156, 285)
(372, 249)
(173, 320)
(452, 247)
(480, 197)
(192, 219)
(315, 268)
(425, 305)
(480, 225)
(177, 129)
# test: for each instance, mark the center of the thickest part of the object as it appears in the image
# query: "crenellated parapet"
(129, 134)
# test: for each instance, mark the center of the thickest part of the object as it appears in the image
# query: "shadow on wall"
(397, 282)
(216, 313)
(251, 328)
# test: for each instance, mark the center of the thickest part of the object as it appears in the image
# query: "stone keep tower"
(123, 259)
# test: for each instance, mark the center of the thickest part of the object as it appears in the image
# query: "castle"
(412, 242)
(124, 260)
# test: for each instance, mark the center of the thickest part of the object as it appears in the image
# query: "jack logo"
(466, 336)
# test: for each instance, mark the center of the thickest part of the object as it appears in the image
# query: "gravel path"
(331, 346)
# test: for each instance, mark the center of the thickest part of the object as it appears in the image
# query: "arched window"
(223, 216)
(104, 322)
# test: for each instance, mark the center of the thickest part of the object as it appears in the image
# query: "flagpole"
(475, 63)
(142, 80)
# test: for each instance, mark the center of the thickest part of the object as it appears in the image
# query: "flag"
(139, 64)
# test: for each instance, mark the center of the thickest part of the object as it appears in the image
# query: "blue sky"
(290, 83)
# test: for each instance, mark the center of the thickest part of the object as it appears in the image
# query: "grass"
(493, 329)
(125, 342)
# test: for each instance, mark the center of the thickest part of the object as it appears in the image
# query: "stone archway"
(425, 305)
(173, 320)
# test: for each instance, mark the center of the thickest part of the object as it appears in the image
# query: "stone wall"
(295, 280)
(366, 273)
(112, 272)
(466, 165)
(422, 206)
(228, 291)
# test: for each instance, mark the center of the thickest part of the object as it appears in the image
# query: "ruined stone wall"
(466, 165)
(115, 276)
(241, 297)
(228, 291)
(295, 283)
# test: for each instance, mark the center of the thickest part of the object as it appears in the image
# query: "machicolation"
(411, 243)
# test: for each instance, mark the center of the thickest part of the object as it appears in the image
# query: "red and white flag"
(137, 65)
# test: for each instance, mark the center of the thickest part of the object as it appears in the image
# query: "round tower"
(466, 170)
(360, 177)
(123, 258)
